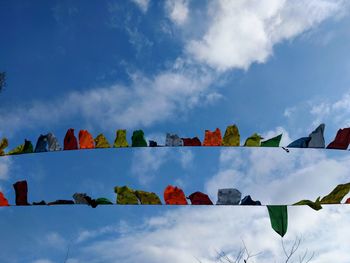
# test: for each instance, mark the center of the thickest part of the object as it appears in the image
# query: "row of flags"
(174, 195)
(85, 140)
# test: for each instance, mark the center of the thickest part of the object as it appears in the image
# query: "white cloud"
(185, 234)
(5, 164)
(177, 10)
(146, 162)
(273, 176)
(186, 158)
(244, 32)
(144, 102)
(267, 174)
(335, 114)
(55, 240)
(142, 4)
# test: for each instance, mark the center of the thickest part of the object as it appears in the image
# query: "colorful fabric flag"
(21, 190)
(229, 196)
(253, 141)
(3, 200)
(212, 138)
(317, 137)
(314, 205)
(101, 141)
(341, 140)
(70, 141)
(174, 196)
(147, 198)
(120, 139)
(126, 196)
(86, 141)
(337, 194)
(173, 140)
(273, 142)
(138, 139)
(278, 218)
(231, 137)
(199, 198)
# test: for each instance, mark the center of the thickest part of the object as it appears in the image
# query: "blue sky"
(181, 67)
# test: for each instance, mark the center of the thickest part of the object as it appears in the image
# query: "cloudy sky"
(182, 67)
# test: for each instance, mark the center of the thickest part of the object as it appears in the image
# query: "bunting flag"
(173, 195)
(273, 142)
(334, 197)
(120, 139)
(253, 141)
(49, 143)
(278, 218)
(231, 137)
(101, 141)
(314, 205)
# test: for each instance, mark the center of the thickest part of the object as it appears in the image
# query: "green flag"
(273, 142)
(279, 218)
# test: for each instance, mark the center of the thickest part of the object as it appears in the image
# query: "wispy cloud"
(141, 104)
(177, 11)
(142, 4)
(334, 113)
(147, 162)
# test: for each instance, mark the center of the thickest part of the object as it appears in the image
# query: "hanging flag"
(3, 200)
(278, 218)
(231, 137)
(253, 141)
(120, 139)
(138, 139)
(70, 141)
(317, 137)
(273, 142)
(337, 194)
(199, 198)
(247, 200)
(21, 189)
(126, 196)
(212, 138)
(174, 196)
(341, 140)
(300, 143)
(53, 144)
(192, 141)
(152, 143)
(229, 196)
(86, 141)
(173, 140)
(101, 141)
(147, 198)
(314, 205)
(41, 144)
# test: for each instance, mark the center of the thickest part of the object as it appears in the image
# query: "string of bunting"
(49, 143)
(175, 196)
